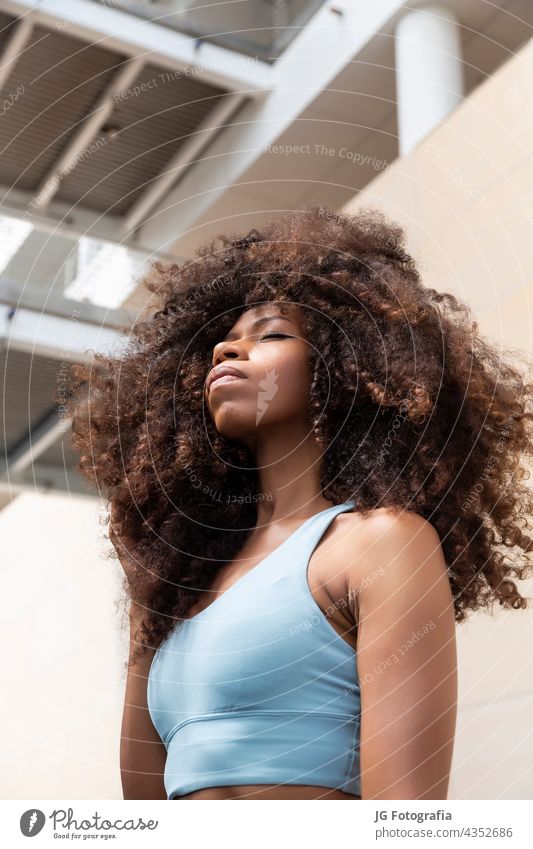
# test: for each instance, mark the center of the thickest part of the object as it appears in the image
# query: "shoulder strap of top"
(306, 542)
(297, 550)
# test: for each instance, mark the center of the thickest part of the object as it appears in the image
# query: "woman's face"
(270, 353)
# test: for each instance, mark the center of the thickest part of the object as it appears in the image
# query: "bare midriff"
(266, 791)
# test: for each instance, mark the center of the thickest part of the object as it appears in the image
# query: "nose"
(228, 351)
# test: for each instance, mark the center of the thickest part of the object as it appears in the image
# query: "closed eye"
(275, 336)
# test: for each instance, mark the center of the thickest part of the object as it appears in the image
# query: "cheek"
(286, 381)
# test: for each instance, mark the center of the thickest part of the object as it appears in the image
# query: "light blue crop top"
(258, 687)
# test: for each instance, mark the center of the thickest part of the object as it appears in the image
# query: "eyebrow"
(257, 323)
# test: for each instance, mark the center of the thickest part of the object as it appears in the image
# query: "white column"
(429, 77)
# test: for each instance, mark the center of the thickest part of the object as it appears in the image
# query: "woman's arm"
(406, 658)
(142, 752)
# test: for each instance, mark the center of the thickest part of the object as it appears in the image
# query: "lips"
(221, 371)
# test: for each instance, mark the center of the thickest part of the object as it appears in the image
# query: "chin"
(233, 426)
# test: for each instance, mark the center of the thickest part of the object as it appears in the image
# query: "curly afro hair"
(413, 408)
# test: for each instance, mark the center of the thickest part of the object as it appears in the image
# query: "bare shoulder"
(397, 546)
(383, 518)
(383, 525)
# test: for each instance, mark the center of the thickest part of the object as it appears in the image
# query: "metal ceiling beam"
(45, 478)
(85, 134)
(196, 142)
(65, 339)
(15, 46)
(39, 438)
(121, 31)
(62, 219)
(26, 294)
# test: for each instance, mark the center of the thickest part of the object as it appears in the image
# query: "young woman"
(314, 468)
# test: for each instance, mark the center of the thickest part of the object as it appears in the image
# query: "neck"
(288, 459)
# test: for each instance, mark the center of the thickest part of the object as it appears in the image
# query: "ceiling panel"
(151, 127)
(60, 78)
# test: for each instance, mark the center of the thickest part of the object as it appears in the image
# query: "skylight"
(13, 234)
(106, 273)
(258, 28)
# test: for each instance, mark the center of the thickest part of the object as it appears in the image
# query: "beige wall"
(465, 196)
(63, 648)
